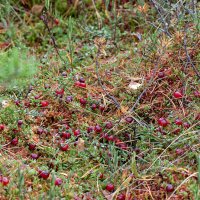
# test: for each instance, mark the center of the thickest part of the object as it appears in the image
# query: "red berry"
(20, 122)
(2, 127)
(17, 102)
(4, 181)
(37, 96)
(32, 147)
(34, 156)
(163, 122)
(110, 138)
(44, 174)
(101, 108)
(82, 80)
(101, 176)
(69, 99)
(40, 131)
(186, 125)
(197, 117)
(110, 187)
(77, 132)
(179, 151)
(60, 91)
(121, 197)
(197, 94)
(94, 106)
(27, 104)
(176, 131)
(58, 181)
(109, 125)
(82, 85)
(178, 95)
(14, 141)
(56, 21)
(83, 101)
(64, 147)
(77, 83)
(161, 75)
(129, 119)
(66, 135)
(178, 122)
(44, 103)
(169, 188)
(90, 129)
(97, 129)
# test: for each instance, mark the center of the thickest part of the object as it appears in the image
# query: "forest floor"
(99, 102)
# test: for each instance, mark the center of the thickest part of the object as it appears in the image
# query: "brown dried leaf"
(81, 144)
(37, 9)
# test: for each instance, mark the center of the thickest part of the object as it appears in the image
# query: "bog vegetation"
(99, 100)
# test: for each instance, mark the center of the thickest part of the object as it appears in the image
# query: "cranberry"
(44, 174)
(66, 135)
(101, 176)
(40, 131)
(77, 83)
(69, 99)
(27, 104)
(129, 119)
(101, 108)
(44, 103)
(178, 122)
(4, 181)
(77, 132)
(123, 146)
(64, 74)
(163, 122)
(60, 91)
(109, 125)
(20, 122)
(58, 181)
(178, 95)
(121, 197)
(17, 102)
(197, 94)
(82, 80)
(186, 125)
(97, 129)
(179, 151)
(176, 131)
(111, 138)
(56, 21)
(34, 156)
(161, 75)
(83, 101)
(196, 118)
(110, 187)
(32, 146)
(94, 106)
(90, 129)
(37, 96)
(169, 188)
(14, 141)
(2, 127)
(64, 147)
(82, 85)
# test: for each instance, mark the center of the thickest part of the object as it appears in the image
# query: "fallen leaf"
(81, 144)
(107, 195)
(134, 85)
(37, 9)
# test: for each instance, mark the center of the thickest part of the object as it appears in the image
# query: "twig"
(44, 18)
(100, 82)
(188, 56)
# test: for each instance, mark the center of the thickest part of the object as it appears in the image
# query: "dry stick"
(45, 21)
(100, 82)
(189, 58)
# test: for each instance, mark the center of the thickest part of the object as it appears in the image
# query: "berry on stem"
(178, 95)
(110, 187)
(58, 181)
(163, 122)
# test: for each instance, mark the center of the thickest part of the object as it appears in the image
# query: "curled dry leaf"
(37, 9)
